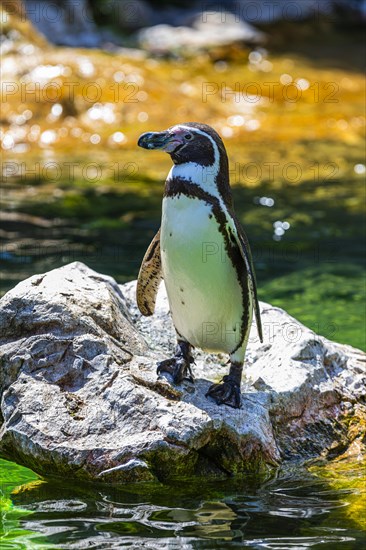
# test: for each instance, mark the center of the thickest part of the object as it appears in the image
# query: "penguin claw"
(178, 368)
(226, 393)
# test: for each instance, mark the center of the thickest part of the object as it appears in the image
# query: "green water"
(293, 509)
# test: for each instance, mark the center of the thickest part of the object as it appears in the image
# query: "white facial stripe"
(204, 176)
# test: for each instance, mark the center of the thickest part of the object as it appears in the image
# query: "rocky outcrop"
(207, 30)
(80, 395)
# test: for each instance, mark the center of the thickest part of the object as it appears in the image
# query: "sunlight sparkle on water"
(279, 229)
(76, 132)
(119, 76)
(86, 67)
(142, 116)
(48, 137)
(95, 139)
(56, 109)
(33, 135)
(227, 132)
(27, 114)
(360, 169)
(264, 201)
(285, 79)
(118, 137)
(302, 84)
(18, 132)
(19, 120)
(8, 142)
(266, 66)
(252, 125)
(255, 57)
(142, 95)
(236, 120)
(45, 72)
(187, 89)
(103, 112)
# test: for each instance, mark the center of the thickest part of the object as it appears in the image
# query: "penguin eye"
(188, 136)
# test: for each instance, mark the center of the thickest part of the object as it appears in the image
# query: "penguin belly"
(203, 288)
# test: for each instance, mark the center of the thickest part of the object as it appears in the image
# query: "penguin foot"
(226, 393)
(179, 366)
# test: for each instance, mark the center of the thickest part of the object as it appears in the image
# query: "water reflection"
(292, 510)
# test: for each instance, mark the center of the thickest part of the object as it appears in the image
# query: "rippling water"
(292, 510)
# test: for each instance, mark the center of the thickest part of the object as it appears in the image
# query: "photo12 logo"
(53, 172)
(253, 92)
(268, 11)
(90, 92)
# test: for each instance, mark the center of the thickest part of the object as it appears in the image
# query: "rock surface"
(80, 395)
(207, 30)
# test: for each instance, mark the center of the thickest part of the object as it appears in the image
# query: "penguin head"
(189, 142)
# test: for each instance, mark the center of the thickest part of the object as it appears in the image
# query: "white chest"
(204, 293)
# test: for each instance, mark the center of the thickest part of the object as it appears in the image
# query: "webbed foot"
(179, 366)
(226, 393)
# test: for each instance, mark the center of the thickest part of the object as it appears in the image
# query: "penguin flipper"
(244, 247)
(149, 278)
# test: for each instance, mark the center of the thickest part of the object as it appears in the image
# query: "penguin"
(203, 255)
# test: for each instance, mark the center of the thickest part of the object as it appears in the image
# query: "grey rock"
(207, 30)
(80, 397)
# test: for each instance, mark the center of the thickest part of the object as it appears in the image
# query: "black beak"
(154, 140)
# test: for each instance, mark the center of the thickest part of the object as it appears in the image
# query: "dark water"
(291, 510)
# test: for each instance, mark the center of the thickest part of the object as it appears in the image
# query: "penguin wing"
(149, 278)
(242, 241)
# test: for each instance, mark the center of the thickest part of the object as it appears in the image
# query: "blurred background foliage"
(285, 90)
